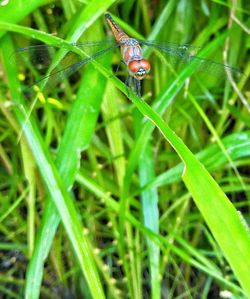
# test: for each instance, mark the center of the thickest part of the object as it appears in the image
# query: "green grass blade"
(128, 170)
(71, 145)
(114, 132)
(237, 145)
(227, 226)
(15, 11)
(150, 212)
(54, 183)
(182, 249)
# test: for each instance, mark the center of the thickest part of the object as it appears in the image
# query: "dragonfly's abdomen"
(117, 31)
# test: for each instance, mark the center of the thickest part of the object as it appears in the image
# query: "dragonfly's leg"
(128, 84)
(117, 69)
(118, 66)
(135, 85)
(138, 87)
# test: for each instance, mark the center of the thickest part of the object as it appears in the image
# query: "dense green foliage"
(104, 194)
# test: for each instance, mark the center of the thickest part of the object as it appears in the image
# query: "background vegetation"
(99, 197)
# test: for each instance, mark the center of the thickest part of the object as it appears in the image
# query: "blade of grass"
(71, 145)
(160, 104)
(237, 145)
(15, 11)
(219, 213)
(164, 243)
(110, 111)
(78, 131)
(150, 212)
(216, 137)
(29, 169)
(57, 189)
(119, 85)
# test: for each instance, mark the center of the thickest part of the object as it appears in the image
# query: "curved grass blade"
(219, 213)
(55, 186)
(17, 10)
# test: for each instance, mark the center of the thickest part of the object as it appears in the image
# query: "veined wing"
(167, 45)
(42, 54)
(184, 54)
(39, 57)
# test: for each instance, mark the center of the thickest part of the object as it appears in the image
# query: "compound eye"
(145, 65)
(134, 66)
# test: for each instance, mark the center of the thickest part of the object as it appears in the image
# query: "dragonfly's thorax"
(139, 68)
(130, 50)
(132, 56)
(129, 42)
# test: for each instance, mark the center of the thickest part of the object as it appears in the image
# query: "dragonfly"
(132, 56)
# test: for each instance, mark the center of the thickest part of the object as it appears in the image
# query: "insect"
(131, 52)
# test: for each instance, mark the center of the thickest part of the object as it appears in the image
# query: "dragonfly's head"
(139, 68)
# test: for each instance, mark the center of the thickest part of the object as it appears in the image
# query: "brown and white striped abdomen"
(130, 48)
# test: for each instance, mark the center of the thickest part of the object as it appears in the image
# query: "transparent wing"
(59, 74)
(183, 54)
(168, 45)
(39, 57)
